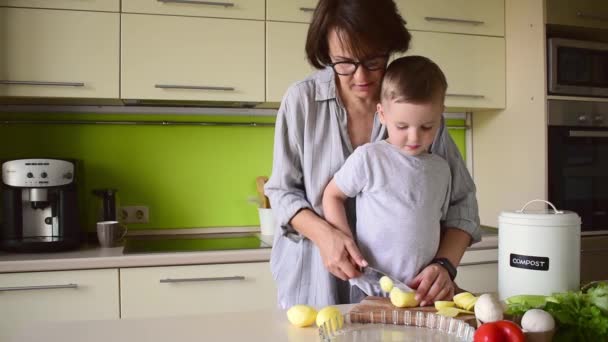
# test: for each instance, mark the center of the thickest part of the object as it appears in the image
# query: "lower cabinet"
(57, 296)
(478, 271)
(179, 290)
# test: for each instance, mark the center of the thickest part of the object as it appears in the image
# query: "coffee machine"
(39, 206)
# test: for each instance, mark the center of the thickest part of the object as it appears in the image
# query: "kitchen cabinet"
(286, 60)
(290, 10)
(479, 17)
(584, 13)
(594, 254)
(58, 295)
(89, 5)
(56, 53)
(178, 290)
(478, 271)
(473, 65)
(241, 9)
(186, 58)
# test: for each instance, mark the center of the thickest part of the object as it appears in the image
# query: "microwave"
(577, 67)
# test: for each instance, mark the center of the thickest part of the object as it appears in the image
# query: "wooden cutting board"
(370, 310)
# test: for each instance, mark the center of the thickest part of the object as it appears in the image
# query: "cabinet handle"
(42, 83)
(473, 96)
(185, 280)
(210, 3)
(307, 9)
(452, 20)
(176, 86)
(591, 16)
(479, 263)
(38, 287)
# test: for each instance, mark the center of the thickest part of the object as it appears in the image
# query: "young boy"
(402, 191)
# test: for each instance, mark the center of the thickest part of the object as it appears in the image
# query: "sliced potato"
(440, 304)
(386, 284)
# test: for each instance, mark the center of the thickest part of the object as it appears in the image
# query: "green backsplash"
(188, 176)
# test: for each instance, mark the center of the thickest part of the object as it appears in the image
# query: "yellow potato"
(301, 315)
(440, 304)
(402, 299)
(332, 315)
(386, 284)
(452, 312)
(464, 299)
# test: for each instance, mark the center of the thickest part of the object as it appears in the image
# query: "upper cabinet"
(584, 13)
(240, 9)
(51, 53)
(482, 17)
(193, 59)
(85, 5)
(286, 60)
(290, 10)
(473, 65)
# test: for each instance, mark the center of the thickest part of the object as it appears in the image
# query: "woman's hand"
(340, 254)
(433, 283)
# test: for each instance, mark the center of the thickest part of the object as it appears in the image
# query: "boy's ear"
(380, 111)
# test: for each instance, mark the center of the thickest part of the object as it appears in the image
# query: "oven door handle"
(588, 134)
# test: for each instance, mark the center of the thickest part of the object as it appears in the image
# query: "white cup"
(267, 222)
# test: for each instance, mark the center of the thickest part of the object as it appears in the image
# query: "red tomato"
(489, 332)
(511, 330)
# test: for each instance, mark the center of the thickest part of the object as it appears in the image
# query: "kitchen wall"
(510, 145)
(189, 176)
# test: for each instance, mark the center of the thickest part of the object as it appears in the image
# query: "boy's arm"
(333, 208)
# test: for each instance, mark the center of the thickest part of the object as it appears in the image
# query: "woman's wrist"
(446, 264)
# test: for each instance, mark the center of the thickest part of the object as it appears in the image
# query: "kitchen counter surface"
(263, 325)
(93, 257)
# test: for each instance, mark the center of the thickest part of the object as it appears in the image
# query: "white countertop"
(93, 257)
(263, 325)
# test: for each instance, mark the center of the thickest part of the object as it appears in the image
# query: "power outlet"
(135, 214)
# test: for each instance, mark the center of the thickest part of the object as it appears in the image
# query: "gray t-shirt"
(401, 200)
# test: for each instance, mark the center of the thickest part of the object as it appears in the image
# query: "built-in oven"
(578, 161)
(577, 67)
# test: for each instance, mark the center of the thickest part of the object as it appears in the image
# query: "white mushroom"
(537, 320)
(488, 309)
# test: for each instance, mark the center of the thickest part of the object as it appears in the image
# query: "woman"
(322, 119)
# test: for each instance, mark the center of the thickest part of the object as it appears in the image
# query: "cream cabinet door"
(61, 295)
(290, 10)
(241, 9)
(181, 58)
(478, 271)
(85, 5)
(51, 53)
(484, 17)
(286, 60)
(473, 65)
(585, 13)
(177, 290)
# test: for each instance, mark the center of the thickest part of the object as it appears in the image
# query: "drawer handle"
(452, 20)
(591, 16)
(39, 287)
(42, 83)
(473, 96)
(185, 280)
(588, 134)
(176, 86)
(210, 3)
(307, 9)
(479, 263)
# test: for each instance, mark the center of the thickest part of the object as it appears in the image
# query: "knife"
(369, 282)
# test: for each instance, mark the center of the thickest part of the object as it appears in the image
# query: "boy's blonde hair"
(413, 79)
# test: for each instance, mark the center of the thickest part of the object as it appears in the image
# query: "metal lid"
(544, 217)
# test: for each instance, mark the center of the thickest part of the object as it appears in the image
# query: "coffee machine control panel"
(38, 173)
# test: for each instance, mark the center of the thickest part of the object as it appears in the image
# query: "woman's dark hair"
(366, 27)
(413, 79)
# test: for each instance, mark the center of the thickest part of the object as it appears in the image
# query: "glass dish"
(394, 326)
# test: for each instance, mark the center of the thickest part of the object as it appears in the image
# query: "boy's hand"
(433, 283)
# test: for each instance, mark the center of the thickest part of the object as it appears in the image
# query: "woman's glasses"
(346, 68)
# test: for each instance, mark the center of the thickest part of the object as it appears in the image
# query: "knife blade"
(369, 282)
